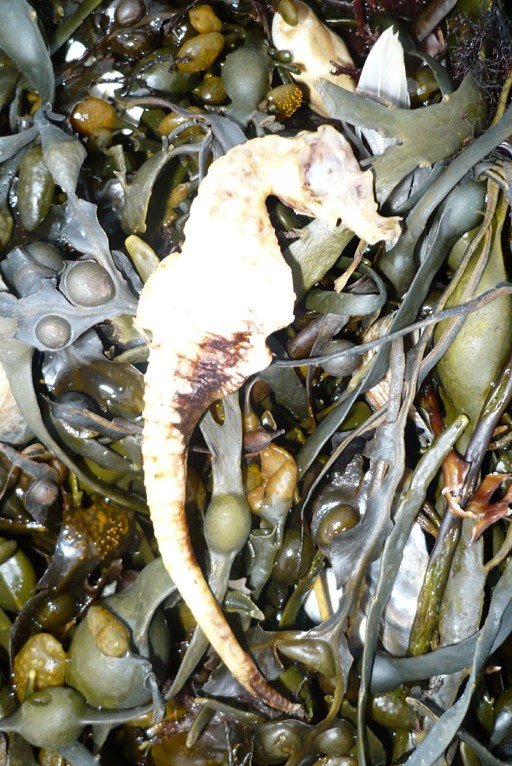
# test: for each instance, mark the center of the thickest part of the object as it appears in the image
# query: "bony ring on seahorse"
(208, 311)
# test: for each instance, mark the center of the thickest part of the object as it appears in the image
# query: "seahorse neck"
(230, 210)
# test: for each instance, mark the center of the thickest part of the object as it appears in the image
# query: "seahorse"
(207, 312)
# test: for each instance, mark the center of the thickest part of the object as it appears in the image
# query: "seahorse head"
(337, 190)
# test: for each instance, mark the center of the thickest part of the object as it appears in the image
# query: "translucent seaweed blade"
(400, 610)
(445, 729)
(63, 154)
(383, 77)
(22, 41)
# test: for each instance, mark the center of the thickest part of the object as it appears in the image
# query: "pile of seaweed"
(374, 588)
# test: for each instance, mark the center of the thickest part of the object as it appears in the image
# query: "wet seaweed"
(349, 505)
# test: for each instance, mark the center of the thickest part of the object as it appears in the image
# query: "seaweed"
(349, 504)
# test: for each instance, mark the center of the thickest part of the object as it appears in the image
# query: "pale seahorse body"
(208, 312)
